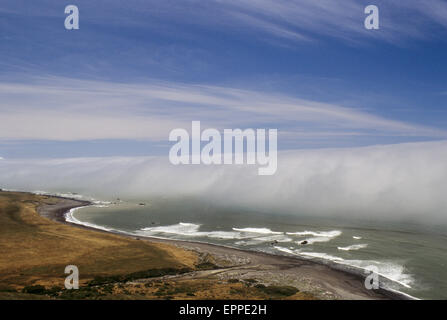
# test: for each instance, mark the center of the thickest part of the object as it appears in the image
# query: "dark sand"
(324, 280)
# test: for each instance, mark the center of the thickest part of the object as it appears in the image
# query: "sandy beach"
(322, 280)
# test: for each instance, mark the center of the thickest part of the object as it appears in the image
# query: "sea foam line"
(395, 272)
(193, 230)
(353, 247)
(69, 217)
(257, 230)
(328, 234)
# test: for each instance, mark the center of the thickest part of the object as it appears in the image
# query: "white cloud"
(302, 20)
(406, 181)
(67, 109)
(293, 20)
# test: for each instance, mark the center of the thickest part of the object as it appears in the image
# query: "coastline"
(335, 281)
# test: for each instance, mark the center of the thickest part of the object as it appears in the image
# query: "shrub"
(81, 293)
(206, 266)
(280, 290)
(151, 273)
(37, 289)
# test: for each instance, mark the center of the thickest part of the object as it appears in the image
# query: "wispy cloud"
(293, 20)
(338, 19)
(306, 19)
(68, 109)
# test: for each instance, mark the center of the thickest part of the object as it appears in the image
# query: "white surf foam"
(286, 250)
(328, 234)
(69, 217)
(309, 254)
(223, 235)
(356, 237)
(317, 236)
(191, 230)
(314, 240)
(388, 269)
(259, 240)
(257, 230)
(179, 228)
(353, 247)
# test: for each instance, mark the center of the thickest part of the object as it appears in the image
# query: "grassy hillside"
(35, 250)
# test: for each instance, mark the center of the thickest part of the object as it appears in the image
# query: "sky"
(137, 69)
(361, 114)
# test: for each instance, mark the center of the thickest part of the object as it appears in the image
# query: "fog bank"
(396, 181)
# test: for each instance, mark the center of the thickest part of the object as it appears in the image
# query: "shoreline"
(345, 282)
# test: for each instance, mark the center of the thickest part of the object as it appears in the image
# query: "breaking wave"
(390, 270)
(353, 247)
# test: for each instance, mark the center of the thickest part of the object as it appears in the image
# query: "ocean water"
(410, 257)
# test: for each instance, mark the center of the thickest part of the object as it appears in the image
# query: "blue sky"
(137, 69)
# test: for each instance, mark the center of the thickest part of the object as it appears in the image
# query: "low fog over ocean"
(405, 181)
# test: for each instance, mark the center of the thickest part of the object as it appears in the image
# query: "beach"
(230, 265)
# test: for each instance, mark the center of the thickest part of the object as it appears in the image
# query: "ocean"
(409, 257)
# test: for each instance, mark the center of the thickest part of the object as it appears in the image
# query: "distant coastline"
(349, 279)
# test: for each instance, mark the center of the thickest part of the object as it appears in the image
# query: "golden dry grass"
(35, 250)
(203, 289)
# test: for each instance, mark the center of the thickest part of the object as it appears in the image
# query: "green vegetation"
(249, 282)
(41, 290)
(168, 290)
(151, 273)
(81, 293)
(206, 266)
(34, 289)
(279, 291)
(36, 250)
